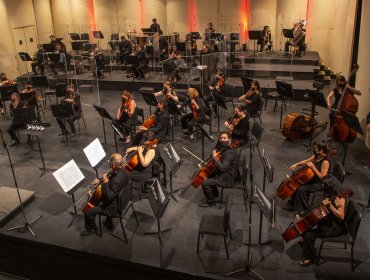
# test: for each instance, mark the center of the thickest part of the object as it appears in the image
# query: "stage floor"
(56, 227)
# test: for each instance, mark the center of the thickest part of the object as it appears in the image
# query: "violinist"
(216, 87)
(322, 167)
(38, 60)
(176, 63)
(225, 159)
(147, 154)
(126, 112)
(142, 63)
(125, 48)
(4, 81)
(73, 99)
(197, 115)
(252, 99)
(330, 226)
(239, 126)
(190, 44)
(160, 126)
(100, 63)
(112, 184)
(340, 85)
(169, 92)
(16, 103)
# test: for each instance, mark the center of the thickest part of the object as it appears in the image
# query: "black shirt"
(162, 123)
(155, 28)
(253, 108)
(241, 131)
(227, 167)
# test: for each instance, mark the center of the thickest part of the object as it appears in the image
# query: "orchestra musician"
(112, 184)
(191, 45)
(38, 60)
(368, 140)
(138, 69)
(63, 59)
(216, 87)
(239, 126)
(169, 92)
(209, 30)
(99, 60)
(337, 92)
(73, 99)
(322, 164)
(298, 39)
(160, 127)
(266, 41)
(252, 99)
(197, 115)
(125, 49)
(16, 102)
(155, 27)
(225, 159)
(147, 154)
(126, 112)
(4, 81)
(176, 63)
(28, 87)
(332, 225)
(57, 41)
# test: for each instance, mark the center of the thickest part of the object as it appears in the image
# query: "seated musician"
(299, 38)
(337, 92)
(160, 127)
(62, 62)
(16, 102)
(125, 49)
(169, 92)
(28, 87)
(208, 31)
(266, 41)
(191, 45)
(238, 126)
(147, 155)
(73, 99)
(126, 112)
(332, 225)
(252, 99)
(321, 164)
(4, 81)
(226, 169)
(99, 60)
(38, 60)
(176, 64)
(197, 115)
(216, 87)
(142, 63)
(112, 184)
(57, 41)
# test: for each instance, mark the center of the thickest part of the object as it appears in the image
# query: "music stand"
(24, 115)
(203, 133)
(117, 131)
(255, 35)
(48, 47)
(173, 162)
(62, 111)
(181, 46)
(288, 33)
(147, 31)
(284, 90)
(98, 35)
(95, 154)
(247, 83)
(195, 35)
(150, 99)
(75, 36)
(173, 111)
(104, 115)
(25, 57)
(77, 46)
(219, 100)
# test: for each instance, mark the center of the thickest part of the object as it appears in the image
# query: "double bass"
(310, 219)
(340, 131)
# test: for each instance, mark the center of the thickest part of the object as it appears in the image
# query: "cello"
(310, 219)
(297, 126)
(340, 131)
(131, 159)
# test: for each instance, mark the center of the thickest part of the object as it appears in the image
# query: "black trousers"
(138, 70)
(11, 130)
(70, 122)
(188, 122)
(90, 217)
(302, 195)
(209, 187)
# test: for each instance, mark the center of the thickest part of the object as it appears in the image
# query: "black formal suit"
(241, 131)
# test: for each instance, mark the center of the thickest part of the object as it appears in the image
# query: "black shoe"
(208, 203)
(87, 232)
(14, 143)
(108, 224)
(63, 133)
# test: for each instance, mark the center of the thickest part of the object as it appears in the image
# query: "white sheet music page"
(95, 152)
(68, 176)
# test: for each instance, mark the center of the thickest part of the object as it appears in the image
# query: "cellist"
(225, 159)
(331, 226)
(111, 187)
(322, 167)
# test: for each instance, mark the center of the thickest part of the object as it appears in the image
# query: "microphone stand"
(27, 224)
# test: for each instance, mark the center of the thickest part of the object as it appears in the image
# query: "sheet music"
(160, 193)
(173, 156)
(94, 152)
(68, 176)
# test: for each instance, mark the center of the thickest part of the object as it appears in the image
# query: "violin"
(149, 122)
(125, 108)
(310, 219)
(234, 122)
(195, 111)
(131, 159)
(220, 82)
(299, 177)
(97, 196)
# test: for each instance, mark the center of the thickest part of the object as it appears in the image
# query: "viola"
(310, 219)
(234, 122)
(150, 121)
(131, 159)
(195, 111)
(299, 177)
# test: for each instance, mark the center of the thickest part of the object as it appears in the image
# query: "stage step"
(86, 88)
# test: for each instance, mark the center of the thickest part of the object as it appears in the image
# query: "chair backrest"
(338, 171)
(284, 89)
(246, 83)
(124, 199)
(226, 222)
(61, 90)
(257, 131)
(140, 112)
(353, 218)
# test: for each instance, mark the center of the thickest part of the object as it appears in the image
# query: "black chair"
(216, 225)
(257, 131)
(353, 221)
(259, 113)
(60, 91)
(140, 113)
(124, 204)
(338, 171)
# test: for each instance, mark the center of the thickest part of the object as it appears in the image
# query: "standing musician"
(38, 60)
(209, 30)
(190, 44)
(197, 115)
(4, 81)
(330, 226)
(266, 41)
(147, 155)
(298, 38)
(337, 92)
(323, 167)
(169, 92)
(225, 160)
(16, 102)
(57, 41)
(125, 49)
(112, 184)
(216, 86)
(73, 99)
(99, 60)
(160, 127)
(160, 45)
(126, 112)
(138, 69)
(239, 126)
(155, 27)
(252, 99)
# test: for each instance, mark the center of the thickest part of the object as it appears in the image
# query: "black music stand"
(132, 60)
(150, 99)
(75, 36)
(116, 131)
(255, 35)
(48, 47)
(203, 133)
(25, 57)
(181, 46)
(219, 100)
(173, 162)
(285, 90)
(195, 35)
(30, 99)
(147, 31)
(40, 82)
(104, 115)
(288, 34)
(77, 46)
(24, 115)
(247, 83)
(173, 111)
(62, 111)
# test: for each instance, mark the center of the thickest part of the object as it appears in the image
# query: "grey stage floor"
(179, 251)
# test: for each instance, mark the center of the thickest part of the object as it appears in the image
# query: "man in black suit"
(155, 27)
(111, 187)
